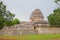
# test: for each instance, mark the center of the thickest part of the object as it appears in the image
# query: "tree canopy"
(58, 2)
(54, 18)
(6, 17)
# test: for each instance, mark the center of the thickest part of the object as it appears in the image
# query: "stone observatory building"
(36, 25)
(38, 19)
(36, 15)
(31, 27)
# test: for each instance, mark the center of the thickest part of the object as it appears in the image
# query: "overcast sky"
(24, 8)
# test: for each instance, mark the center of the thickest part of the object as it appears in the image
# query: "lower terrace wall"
(16, 30)
(48, 30)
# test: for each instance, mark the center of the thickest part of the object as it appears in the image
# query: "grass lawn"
(32, 37)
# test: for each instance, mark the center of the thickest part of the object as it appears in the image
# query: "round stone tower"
(37, 15)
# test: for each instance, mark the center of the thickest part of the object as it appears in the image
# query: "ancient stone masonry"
(36, 15)
(48, 30)
(34, 26)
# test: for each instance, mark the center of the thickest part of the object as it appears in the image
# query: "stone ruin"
(36, 25)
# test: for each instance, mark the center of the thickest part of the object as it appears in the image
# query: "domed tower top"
(37, 15)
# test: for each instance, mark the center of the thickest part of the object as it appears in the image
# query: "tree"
(54, 18)
(15, 21)
(58, 2)
(6, 17)
(9, 17)
(2, 14)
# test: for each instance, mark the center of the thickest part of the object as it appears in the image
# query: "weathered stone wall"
(18, 30)
(28, 29)
(48, 30)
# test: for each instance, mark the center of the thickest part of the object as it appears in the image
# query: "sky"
(24, 8)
